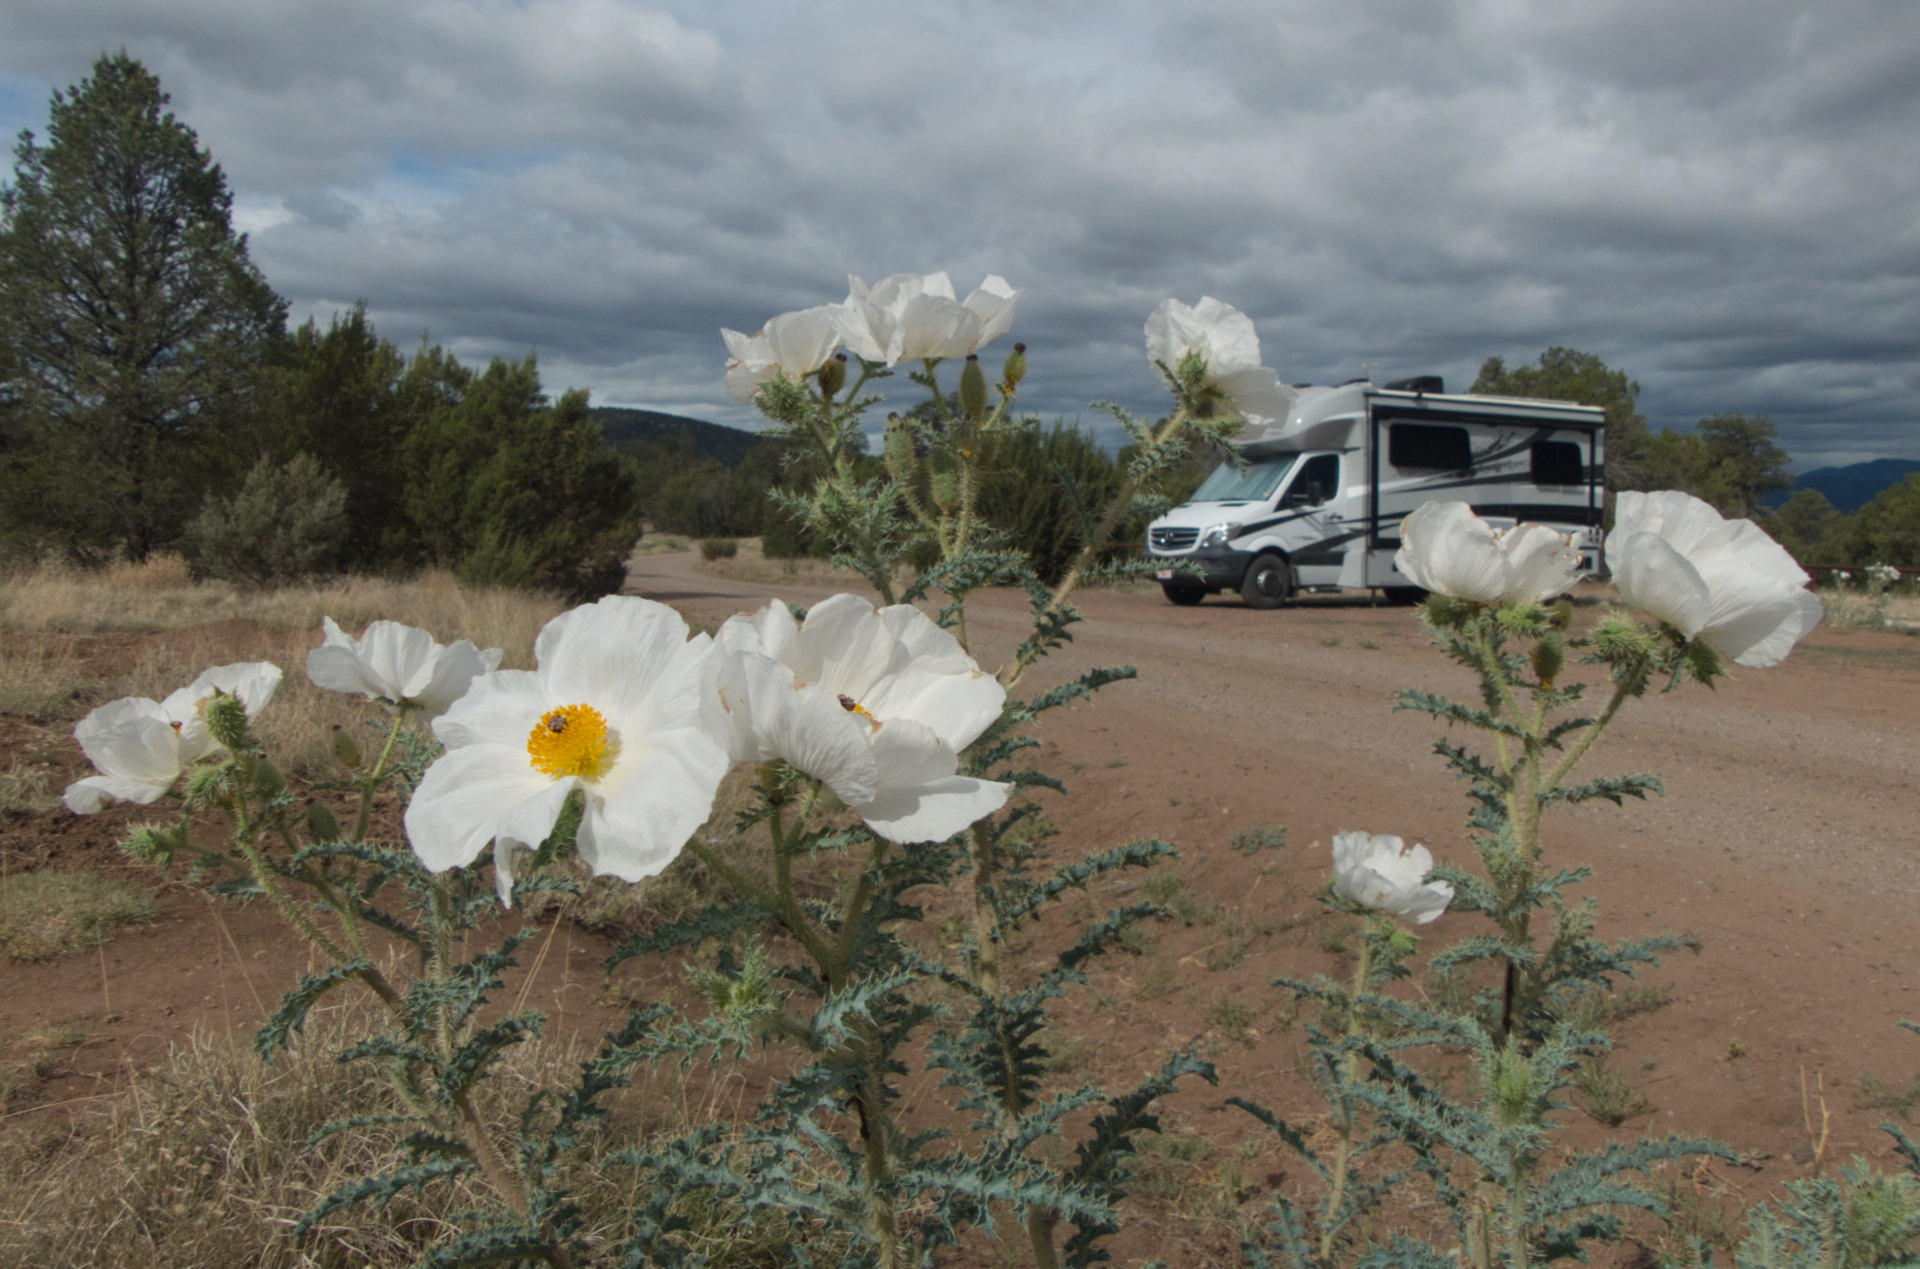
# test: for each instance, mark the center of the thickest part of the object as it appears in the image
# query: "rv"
(1317, 501)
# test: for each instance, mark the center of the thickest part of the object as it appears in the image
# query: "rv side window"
(1318, 481)
(1558, 463)
(1424, 445)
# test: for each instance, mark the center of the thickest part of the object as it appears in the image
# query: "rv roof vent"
(1419, 383)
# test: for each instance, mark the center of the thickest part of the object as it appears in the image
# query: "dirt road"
(1788, 841)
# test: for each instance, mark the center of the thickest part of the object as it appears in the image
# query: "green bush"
(289, 521)
(718, 548)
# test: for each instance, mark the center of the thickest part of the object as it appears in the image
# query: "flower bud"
(1549, 656)
(266, 778)
(898, 447)
(946, 490)
(832, 376)
(1561, 614)
(149, 845)
(321, 826)
(206, 786)
(1015, 368)
(345, 751)
(973, 388)
(227, 720)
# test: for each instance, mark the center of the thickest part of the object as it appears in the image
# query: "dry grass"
(1852, 607)
(196, 625)
(51, 912)
(749, 565)
(26, 789)
(203, 1162)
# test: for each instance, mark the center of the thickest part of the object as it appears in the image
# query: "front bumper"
(1219, 567)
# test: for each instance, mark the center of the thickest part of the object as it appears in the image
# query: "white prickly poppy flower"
(910, 315)
(876, 705)
(613, 709)
(1447, 549)
(796, 344)
(140, 746)
(1225, 338)
(1383, 874)
(399, 664)
(1723, 582)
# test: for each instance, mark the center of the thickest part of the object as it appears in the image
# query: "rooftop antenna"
(1366, 368)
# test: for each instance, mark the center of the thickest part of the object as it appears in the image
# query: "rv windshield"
(1258, 481)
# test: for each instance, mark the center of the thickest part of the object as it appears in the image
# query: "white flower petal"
(89, 796)
(1542, 563)
(1658, 580)
(802, 342)
(1380, 873)
(806, 727)
(935, 326)
(843, 647)
(339, 669)
(624, 655)
(1257, 392)
(252, 681)
(1446, 549)
(920, 797)
(115, 713)
(652, 806)
(447, 678)
(1759, 629)
(941, 686)
(463, 798)
(993, 302)
(499, 708)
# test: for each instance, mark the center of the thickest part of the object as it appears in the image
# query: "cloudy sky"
(1721, 197)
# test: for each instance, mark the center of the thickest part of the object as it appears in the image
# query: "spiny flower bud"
(266, 778)
(973, 388)
(149, 845)
(1561, 613)
(206, 786)
(899, 449)
(345, 751)
(321, 826)
(946, 490)
(832, 376)
(1549, 656)
(1015, 368)
(227, 720)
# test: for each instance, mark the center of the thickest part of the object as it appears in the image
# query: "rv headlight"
(1215, 536)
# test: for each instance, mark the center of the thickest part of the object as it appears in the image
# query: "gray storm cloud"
(1718, 198)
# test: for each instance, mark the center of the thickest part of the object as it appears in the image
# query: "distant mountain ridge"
(1851, 487)
(623, 427)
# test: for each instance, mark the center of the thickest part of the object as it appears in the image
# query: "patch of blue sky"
(23, 104)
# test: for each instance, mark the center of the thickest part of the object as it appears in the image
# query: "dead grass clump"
(26, 789)
(203, 1161)
(51, 912)
(40, 678)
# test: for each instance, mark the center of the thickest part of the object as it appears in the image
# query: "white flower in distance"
(909, 316)
(1724, 582)
(1225, 338)
(613, 708)
(876, 705)
(1382, 873)
(1447, 549)
(796, 344)
(399, 664)
(140, 746)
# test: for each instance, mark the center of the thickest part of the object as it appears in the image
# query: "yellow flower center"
(571, 741)
(855, 707)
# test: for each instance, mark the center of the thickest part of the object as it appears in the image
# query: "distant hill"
(1851, 487)
(623, 427)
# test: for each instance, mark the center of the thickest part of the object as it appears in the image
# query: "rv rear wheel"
(1268, 582)
(1404, 594)
(1185, 596)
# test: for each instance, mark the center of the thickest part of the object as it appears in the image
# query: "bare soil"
(1788, 844)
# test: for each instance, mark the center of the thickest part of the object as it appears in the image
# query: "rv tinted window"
(1261, 477)
(1424, 445)
(1558, 463)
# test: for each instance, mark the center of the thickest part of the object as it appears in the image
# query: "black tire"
(1268, 583)
(1404, 594)
(1185, 596)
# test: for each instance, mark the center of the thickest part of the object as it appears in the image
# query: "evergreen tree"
(132, 318)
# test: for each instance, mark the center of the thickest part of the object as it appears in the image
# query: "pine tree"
(132, 318)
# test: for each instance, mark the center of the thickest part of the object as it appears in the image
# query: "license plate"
(1163, 575)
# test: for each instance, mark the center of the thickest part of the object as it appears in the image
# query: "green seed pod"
(899, 449)
(227, 720)
(1561, 614)
(1015, 368)
(832, 376)
(973, 388)
(1549, 656)
(206, 786)
(345, 751)
(321, 826)
(946, 490)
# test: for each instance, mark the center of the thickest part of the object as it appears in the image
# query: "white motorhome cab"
(1319, 504)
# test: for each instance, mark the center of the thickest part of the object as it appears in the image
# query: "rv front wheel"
(1185, 596)
(1268, 582)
